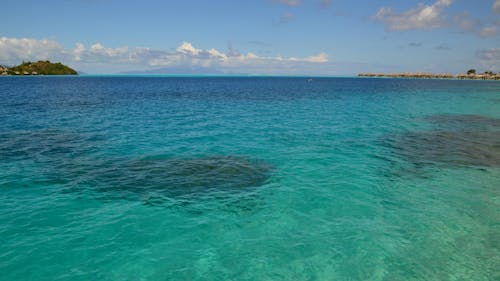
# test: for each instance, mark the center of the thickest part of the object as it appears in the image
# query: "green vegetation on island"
(38, 68)
(471, 72)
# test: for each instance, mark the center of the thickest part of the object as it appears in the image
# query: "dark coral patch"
(464, 121)
(464, 148)
(38, 145)
(180, 177)
(458, 140)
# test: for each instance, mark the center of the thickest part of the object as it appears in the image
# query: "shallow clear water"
(213, 178)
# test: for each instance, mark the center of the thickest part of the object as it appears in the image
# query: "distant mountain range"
(178, 70)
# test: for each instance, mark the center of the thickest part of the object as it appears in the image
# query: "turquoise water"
(228, 178)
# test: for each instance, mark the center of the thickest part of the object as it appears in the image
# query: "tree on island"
(471, 71)
(41, 68)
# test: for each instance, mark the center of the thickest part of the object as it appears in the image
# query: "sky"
(268, 37)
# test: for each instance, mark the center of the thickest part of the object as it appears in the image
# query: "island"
(38, 68)
(471, 74)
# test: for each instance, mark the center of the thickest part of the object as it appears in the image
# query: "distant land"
(48, 68)
(471, 74)
(177, 70)
(38, 68)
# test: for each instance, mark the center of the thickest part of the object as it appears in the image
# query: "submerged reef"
(465, 148)
(76, 160)
(464, 121)
(458, 140)
(78, 163)
(43, 144)
(179, 177)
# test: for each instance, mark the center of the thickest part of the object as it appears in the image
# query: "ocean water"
(249, 178)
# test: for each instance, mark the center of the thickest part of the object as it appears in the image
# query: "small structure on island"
(471, 74)
(40, 68)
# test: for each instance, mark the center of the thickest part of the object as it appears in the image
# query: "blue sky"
(336, 37)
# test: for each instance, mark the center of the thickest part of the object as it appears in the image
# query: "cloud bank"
(421, 17)
(426, 17)
(288, 2)
(477, 26)
(185, 56)
(490, 59)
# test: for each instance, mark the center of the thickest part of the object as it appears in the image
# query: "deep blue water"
(249, 178)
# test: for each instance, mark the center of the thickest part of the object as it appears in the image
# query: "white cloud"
(285, 18)
(320, 58)
(432, 16)
(490, 59)
(188, 49)
(488, 31)
(466, 23)
(496, 6)
(421, 17)
(12, 49)
(325, 3)
(97, 57)
(288, 2)
(78, 51)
